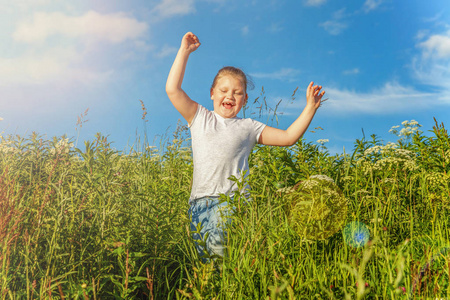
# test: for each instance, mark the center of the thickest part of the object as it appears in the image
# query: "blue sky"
(380, 62)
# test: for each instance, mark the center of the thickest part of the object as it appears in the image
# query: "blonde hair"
(235, 72)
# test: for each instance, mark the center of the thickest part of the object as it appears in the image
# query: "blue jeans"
(211, 215)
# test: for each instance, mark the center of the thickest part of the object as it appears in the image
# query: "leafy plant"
(98, 223)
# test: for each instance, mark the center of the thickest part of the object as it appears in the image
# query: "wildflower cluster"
(409, 129)
(395, 162)
(437, 179)
(322, 141)
(7, 147)
(384, 150)
(63, 146)
(385, 157)
(390, 156)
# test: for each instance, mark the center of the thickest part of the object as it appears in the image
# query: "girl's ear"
(246, 98)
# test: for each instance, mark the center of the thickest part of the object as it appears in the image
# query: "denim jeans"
(211, 215)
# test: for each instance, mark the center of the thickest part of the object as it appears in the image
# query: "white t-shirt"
(220, 149)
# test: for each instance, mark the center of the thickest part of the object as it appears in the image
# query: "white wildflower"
(286, 190)
(410, 127)
(374, 150)
(388, 180)
(309, 184)
(390, 145)
(411, 165)
(63, 146)
(394, 129)
(75, 158)
(405, 131)
(7, 147)
(323, 141)
(436, 179)
(322, 177)
(185, 149)
(404, 152)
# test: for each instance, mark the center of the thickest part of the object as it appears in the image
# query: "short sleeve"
(258, 128)
(200, 111)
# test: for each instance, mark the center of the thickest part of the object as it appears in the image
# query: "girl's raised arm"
(185, 105)
(278, 137)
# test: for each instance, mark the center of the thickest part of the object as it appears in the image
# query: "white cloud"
(166, 51)
(114, 28)
(336, 25)
(64, 50)
(315, 2)
(11, 7)
(432, 65)
(421, 34)
(433, 73)
(62, 54)
(245, 30)
(143, 46)
(351, 72)
(31, 68)
(275, 28)
(437, 45)
(169, 8)
(391, 98)
(370, 5)
(56, 65)
(433, 19)
(340, 14)
(282, 74)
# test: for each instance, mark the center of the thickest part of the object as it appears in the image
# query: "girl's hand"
(313, 95)
(190, 42)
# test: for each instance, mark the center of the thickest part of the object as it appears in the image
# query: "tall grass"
(96, 223)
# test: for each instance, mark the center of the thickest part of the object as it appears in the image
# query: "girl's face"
(229, 96)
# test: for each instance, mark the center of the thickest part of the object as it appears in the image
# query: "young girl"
(222, 142)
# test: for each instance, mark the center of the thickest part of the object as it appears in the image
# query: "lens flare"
(356, 234)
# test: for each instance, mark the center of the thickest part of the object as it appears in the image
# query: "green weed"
(96, 223)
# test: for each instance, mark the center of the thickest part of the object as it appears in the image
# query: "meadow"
(91, 222)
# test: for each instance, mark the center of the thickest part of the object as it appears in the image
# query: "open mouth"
(228, 105)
